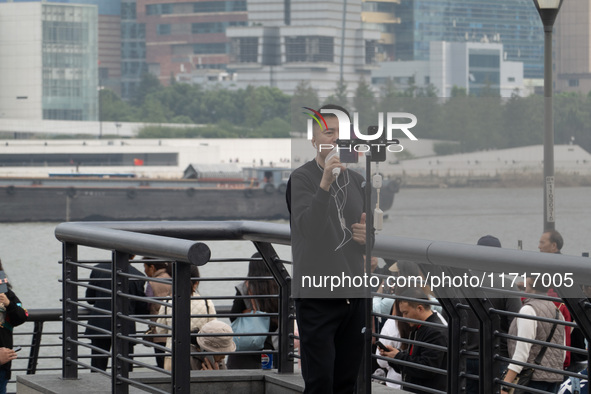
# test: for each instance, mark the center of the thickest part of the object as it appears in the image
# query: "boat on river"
(204, 193)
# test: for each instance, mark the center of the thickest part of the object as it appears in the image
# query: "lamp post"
(548, 10)
(100, 110)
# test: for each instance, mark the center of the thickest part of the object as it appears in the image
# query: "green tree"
(152, 111)
(457, 91)
(149, 83)
(572, 119)
(253, 109)
(304, 96)
(339, 97)
(364, 102)
(272, 128)
(112, 108)
(427, 91)
(388, 90)
(523, 120)
(274, 103)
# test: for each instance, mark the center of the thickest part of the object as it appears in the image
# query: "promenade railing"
(186, 243)
(477, 274)
(182, 243)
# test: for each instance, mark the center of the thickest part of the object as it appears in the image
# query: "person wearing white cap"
(214, 344)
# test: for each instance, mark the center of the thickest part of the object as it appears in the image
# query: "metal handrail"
(175, 240)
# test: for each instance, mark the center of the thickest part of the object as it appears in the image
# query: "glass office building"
(69, 53)
(514, 23)
(48, 58)
(122, 45)
(133, 49)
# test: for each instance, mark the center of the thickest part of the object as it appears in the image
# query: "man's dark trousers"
(331, 343)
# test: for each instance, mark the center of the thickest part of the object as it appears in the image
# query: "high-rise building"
(514, 23)
(572, 47)
(109, 39)
(287, 42)
(48, 61)
(186, 34)
(473, 66)
(133, 49)
(380, 15)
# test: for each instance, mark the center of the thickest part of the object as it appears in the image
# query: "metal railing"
(183, 243)
(452, 260)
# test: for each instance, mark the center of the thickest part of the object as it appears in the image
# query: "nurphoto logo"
(375, 133)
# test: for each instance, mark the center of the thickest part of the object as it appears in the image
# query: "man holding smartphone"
(7, 354)
(328, 240)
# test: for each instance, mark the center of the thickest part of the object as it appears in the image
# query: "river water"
(30, 252)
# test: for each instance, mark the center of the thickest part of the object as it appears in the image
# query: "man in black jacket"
(101, 277)
(417, 354)
(468, 318)
(328, 241)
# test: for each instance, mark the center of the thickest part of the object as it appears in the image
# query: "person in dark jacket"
(12, 314)
(101, 277)
(469, 319)
(328, 240)
(417, 354)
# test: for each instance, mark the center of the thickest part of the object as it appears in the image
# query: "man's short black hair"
(556, 238)
(418, 295)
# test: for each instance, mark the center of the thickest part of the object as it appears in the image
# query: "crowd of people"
(396, 332)
(328, 237)
(152, 297)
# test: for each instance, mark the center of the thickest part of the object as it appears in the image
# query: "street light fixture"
(548, 10)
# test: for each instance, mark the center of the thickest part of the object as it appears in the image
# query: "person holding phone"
(7, 354)
(420, 310)
(327, 218)
(214, 344)
(12, 314)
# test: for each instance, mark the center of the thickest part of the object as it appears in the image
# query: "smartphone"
(17, 348)
(378, 148)
(346, 152)
(382, 346)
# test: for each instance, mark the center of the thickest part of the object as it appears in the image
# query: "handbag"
(250, 324)
(524, 377)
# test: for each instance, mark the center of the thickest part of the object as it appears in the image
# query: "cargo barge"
(259, 194)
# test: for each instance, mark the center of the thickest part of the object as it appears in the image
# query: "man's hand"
(6, 355)
(391, 353)
(4, 300)
(509, 378)
(358, 230)
(327, 177)
(207, 365)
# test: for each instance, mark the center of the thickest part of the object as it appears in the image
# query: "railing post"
(449, 300)
(181, 321)
(69, 311)
(580, 311)
(286, 306)
(489, 345)
(35, 345)
(119, 326)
